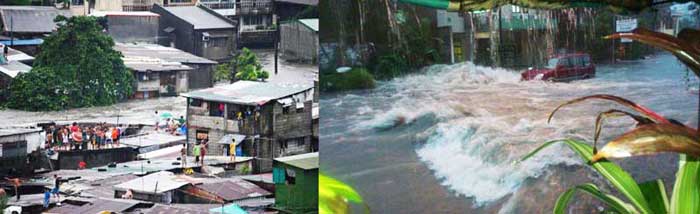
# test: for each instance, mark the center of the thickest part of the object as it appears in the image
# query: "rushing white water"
(469, 124)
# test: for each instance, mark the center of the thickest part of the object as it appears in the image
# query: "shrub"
(357, 78)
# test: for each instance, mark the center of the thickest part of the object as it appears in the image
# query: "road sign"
(625, 25)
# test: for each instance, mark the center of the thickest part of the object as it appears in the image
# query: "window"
(216, 109)
(290, 176)
(202, 135)
(552, 63)
(566, 62)
(516, 9)
(196, 102)
(254, 20)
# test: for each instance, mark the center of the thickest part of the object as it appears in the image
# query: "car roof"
(569, 55)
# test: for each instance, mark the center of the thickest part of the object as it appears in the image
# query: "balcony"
(139, 5)
(181, 2)
(252, 7)
(255, 36)
(219, 4)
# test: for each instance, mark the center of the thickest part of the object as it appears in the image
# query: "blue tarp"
(23, 42)
(228, 209)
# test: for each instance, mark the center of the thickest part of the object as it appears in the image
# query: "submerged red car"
(565, 67)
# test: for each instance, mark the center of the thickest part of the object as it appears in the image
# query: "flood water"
(445, 140)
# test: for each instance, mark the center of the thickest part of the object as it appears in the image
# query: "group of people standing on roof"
(75, 137)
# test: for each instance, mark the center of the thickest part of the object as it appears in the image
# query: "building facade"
(299, 40)
(165, 71)
(268, 120)
(197, 30)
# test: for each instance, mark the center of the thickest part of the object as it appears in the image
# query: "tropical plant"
(653, 134)
(248, 67)
(222, 72)
(335, 197)
(357, 78)
(77, 67)
(3, 203)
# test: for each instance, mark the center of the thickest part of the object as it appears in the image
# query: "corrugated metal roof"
(165, 181)
(226, 139)
(304, 161)
(304, 2)
(18, 131)
(198, 17)
(236, 189)
(123, 13)
(310, 23)
(153, 51)
(30, 19)
(15, 55)
(248, 92)
(13, 68)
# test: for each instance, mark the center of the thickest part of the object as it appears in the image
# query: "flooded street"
(141, 111)
(447, 138)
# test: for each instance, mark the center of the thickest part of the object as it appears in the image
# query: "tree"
(249, 67)
(77, 67)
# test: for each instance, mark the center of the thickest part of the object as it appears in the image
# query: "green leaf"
(686, 190)
(620, 179)
(652, 139)
(614, 203)
(334, 196)
(655, 193)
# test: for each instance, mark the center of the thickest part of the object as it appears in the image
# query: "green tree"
(77, 67)
(222, 72)
(248, 66)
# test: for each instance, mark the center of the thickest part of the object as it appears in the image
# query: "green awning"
(475, 5)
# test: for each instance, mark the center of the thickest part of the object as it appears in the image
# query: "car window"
(565, 62)
(586, 60)
(552, 63)
(578, 61)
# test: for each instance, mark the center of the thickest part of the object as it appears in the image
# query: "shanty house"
(228, 191)
(165, 71)
(296, 183)
(134, 26)
(288, 10)
(197, 30)
(268, 120)
(28, 22)
(159, 187)
(16, 144)
(299, 40)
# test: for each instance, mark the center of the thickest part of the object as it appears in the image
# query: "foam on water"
(484, 119)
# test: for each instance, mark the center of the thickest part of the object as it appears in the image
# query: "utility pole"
(12, 38)
(277, 38)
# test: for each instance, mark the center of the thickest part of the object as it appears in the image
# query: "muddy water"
(445, 139)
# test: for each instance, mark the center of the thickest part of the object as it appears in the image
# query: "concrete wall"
(108, 5)
(129, 29)
(201, 76)
(275, 128)
(298, 42)
(94, 158)
(181, 37)
(220, 46)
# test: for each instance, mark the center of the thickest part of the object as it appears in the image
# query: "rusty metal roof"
(235, 189)
(249, 92)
